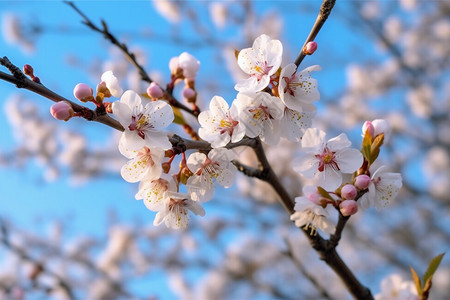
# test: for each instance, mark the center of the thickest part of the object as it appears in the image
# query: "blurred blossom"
(408, 5)
(421, 100)
(218, 12)
(12, 30)
(168, 9)
(393, 28)
(370, 9)
(394, 287)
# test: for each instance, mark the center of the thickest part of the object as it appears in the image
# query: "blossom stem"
(325, 248)
(325, 10)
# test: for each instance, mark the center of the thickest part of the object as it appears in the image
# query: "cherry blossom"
(298, 89)
(152, 191)
(186, 64)
(112, 83)
(327, 160)
(308, 213)
(142, 122)
(394, 287)
(175, 210)
(260, 114)
(217, 165)
(383, 187)
(294, 123)
(260, 62)
(144, 164)
(220, 124)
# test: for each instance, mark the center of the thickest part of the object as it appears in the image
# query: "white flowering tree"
(268, 136)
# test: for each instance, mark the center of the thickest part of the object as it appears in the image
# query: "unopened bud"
(154, 91)
(310, 48)
(28, 70)
(348, 207)
(368, 127)
(166, 167)
(83, 92)
(102, 88)
(362, 182)
(61, 111)
(189, 94)
(382, 126)
(348, 191)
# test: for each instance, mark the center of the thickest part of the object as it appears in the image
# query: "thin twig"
(130, 56)
(325, 10)
(38, 88)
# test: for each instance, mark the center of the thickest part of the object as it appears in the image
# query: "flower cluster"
(273, 102)
(327, 161)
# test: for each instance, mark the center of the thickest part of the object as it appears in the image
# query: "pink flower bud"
(348, 207)
(368, 126)
(310, 48)
(61, 111)
(83, 92)
(154, 91)
(189, 93)
(362, 182)
(348, 191)
(28, 70)
(382, 126)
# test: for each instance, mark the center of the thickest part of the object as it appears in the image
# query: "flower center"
(140, 124)
(261, 113)
(176, 202)
(227, 125)
(146, 156)
(327, 158)
(261, 69)
(209, 167)
(291, 84)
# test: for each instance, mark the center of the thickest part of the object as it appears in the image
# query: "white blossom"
(327, 160)
(112, 83)
(144, 164)
(297, 89)
(383, 187)
(153, 191)
(260, 114)
(142, 122)
(220, 124)
(259, 62)
(217, 165)
(175, 211)
(394, 287)
(309, 214)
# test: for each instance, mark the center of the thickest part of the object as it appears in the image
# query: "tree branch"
(38, 88)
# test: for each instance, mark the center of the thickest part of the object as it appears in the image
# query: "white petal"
(195, 161)
(329, 179)
(307, 164)
(339, 142)
(349, 160)
(313, 138)
(132, 100)
(157, 139)
(134, 170)
(122, 112)
(159, 113)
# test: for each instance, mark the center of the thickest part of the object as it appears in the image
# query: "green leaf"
(324, 193)
(179, 119)
(366, 143)
(434, 264)
(416, 280)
